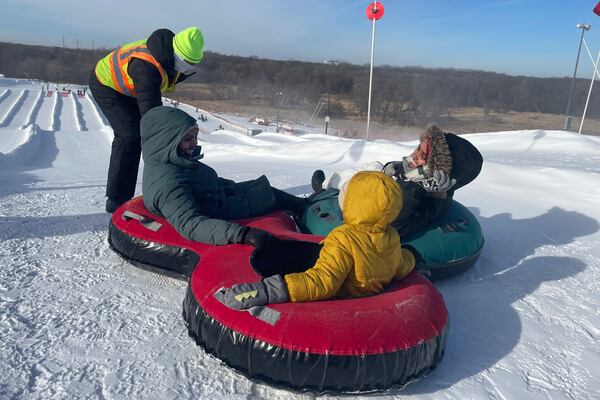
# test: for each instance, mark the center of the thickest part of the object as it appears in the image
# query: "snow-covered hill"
(76, 321)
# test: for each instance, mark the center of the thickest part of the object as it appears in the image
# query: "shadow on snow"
(43, 227)
(484, 325)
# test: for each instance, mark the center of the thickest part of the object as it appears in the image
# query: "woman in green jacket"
(190, 194)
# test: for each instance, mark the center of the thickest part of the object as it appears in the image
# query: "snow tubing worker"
(190, 194)
(338, 345)
(130, 81)
(359, 258)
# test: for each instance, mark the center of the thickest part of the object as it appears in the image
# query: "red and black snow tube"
(350, 345)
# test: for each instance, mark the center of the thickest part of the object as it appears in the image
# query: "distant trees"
(407, 95)
(48, 63)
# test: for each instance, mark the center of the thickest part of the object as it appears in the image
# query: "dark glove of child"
(270, 290)
(393, 169)
(257, 238)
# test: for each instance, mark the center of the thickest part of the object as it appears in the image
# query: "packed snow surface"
(76, 321)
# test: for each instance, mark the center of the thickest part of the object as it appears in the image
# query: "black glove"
(257, 238)
(393, 169)
(443, 183)
(270, 290)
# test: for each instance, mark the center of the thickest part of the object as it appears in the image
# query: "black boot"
(112, 203)
(295, 205)
(289, 202)
(316, 182)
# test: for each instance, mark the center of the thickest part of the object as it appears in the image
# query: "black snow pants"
(123, 114)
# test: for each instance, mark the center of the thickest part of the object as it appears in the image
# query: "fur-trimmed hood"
(440, 157)
(454, 155)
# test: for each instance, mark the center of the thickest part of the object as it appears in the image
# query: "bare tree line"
(401, 95)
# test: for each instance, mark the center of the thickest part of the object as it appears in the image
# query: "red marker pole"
(374, 13)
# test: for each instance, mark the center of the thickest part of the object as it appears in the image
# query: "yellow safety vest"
(112, 69)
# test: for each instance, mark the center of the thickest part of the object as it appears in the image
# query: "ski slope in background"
(76, 321)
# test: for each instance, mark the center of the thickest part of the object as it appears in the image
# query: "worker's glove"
(257, 238)
(441, 181)
(270, 290)
(393, 168)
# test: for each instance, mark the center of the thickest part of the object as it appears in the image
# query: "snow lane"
(35, 109)
(4, 94)
(45, 116)
(81, 157)
(68, 115)
(79, 117)
(14, 127)
(22, 114)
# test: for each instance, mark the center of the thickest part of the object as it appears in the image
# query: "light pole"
(280, 95)
(331, 64)
(583, 27)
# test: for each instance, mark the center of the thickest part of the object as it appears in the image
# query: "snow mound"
(77, 321)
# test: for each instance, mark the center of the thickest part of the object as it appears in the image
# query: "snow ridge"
(57, 110)
(101, 118)
(78, 113)
(34, 110)
(25, 151)
(14, 109)
(4, 95)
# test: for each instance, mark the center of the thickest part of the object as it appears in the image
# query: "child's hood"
(162, 128)
(372, 198)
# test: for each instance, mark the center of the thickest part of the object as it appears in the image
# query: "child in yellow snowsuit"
(358, 258)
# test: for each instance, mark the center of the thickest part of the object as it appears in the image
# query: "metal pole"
(315, 113)
(589, 93)
(591, 56)
(583, 28)
(328, 97)
(371, 79)
(279, 94)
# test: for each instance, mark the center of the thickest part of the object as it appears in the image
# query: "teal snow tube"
(445, 248)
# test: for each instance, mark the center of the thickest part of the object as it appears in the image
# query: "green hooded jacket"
(190, 194)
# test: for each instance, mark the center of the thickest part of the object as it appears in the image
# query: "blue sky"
(517, 37)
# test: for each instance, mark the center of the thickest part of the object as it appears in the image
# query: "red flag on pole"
(597, 9)
(375, 11)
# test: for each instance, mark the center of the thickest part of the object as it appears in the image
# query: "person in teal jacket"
(191, 196)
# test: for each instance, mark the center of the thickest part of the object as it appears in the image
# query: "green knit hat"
(189, 45)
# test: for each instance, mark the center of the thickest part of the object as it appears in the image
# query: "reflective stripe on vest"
(117, 62)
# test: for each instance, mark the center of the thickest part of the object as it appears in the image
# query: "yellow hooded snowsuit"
(363, 255)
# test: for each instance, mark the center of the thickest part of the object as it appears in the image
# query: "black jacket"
(420, 208)
(145, 76)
